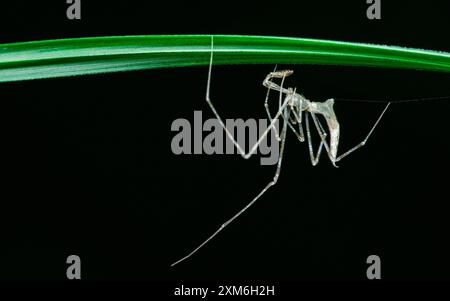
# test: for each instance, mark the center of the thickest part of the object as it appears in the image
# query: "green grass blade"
(81, 56)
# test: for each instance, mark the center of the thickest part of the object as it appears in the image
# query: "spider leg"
(266, 105)
(314, 159)
(298, 119)
(300, 135)
(300, 124)
(286, 112)
(362, 143)
(323, 136)
(277, 74)
(228, 133)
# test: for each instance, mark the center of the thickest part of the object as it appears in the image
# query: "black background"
(87, 167)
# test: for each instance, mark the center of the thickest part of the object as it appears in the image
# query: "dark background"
(87, 167)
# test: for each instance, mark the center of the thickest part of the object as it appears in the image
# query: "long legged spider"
(291, 110)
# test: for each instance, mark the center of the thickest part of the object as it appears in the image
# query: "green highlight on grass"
(82, 56)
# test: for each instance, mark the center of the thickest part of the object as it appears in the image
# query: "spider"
(291, 109)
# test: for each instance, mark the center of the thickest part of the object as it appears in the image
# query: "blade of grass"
(81, 56)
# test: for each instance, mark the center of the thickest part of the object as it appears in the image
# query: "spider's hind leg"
(362, 143)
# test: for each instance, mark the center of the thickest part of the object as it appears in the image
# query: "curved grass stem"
(82, 56)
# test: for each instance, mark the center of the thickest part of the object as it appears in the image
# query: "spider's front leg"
(268, 83)
(281, 109)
